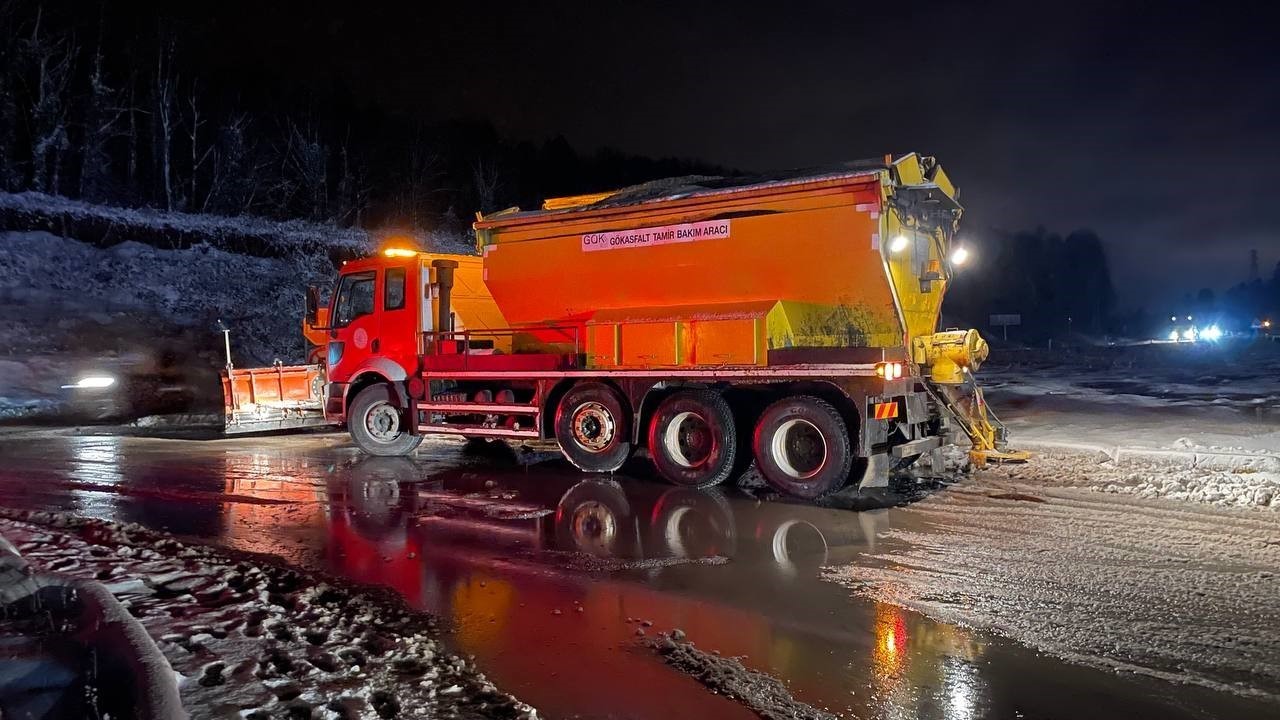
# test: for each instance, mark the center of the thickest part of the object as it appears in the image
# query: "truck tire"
(592, 429)
(802, 447)
(377, 423)
(693, 439)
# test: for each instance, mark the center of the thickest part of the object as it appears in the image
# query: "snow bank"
(60, 288)
(1192, 423)
(763, 694)
(1247, 480)
(252, 639)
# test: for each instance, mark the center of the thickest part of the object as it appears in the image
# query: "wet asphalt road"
(545, 575)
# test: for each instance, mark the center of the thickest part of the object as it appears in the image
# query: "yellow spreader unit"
(951, 357)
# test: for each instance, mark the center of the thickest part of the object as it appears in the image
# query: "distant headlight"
(1213, 332)
(92, 382)
(1173, 334)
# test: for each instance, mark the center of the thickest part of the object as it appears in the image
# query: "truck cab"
(383, 312)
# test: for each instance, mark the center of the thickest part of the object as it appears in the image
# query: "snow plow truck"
(791, 320)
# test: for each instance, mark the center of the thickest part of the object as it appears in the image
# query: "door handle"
(374, 345)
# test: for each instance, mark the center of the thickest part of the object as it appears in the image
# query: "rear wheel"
(378, 425)
(802, 447)
(693, 439)
(591, 427)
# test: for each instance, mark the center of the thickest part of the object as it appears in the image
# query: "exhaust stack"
(444, 284)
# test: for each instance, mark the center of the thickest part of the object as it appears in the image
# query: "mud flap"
(871, 472)
(280, 397)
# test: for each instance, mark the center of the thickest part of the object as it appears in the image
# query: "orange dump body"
(717, 276)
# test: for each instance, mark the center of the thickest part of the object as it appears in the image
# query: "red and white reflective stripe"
(885, 411)
(763, 372)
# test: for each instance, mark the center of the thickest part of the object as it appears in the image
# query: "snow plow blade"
(281, 397)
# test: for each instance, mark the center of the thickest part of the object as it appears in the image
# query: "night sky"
(1152, 123)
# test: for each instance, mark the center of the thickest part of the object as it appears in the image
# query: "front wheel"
(802, 447)
(378, 425)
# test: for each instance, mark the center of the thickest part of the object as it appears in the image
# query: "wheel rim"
(382, 420)
(799, 449)
(594, 528)
(688, 440)
(593, 427)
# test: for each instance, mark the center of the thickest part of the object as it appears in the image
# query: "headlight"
(1213, 332)
(91, 382)
(1173, 334)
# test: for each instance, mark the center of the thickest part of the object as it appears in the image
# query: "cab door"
(398, 306)
(355, 327)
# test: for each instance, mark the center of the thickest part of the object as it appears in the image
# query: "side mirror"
(313, 305)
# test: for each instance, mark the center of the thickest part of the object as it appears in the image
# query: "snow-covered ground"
(249, 638)
(68, 307)
(1142, 536)
(1198, 423)
(1166, 588)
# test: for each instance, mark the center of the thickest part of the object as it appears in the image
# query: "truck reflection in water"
(547, 578)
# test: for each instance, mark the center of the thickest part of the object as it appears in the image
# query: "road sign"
(1004, 321)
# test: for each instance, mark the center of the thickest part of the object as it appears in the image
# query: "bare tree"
(236, 178)
(306, 169)
(353, 192)
(52, 60)
(486, 183)
(102, 118)
(9, 176)
(131, 163)
(199, 155)
(420, 181)
(166, 120)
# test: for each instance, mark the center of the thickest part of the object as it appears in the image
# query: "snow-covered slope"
(146, 281)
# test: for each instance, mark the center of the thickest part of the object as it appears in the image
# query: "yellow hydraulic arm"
(951, 358)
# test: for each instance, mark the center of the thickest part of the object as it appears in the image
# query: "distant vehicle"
(792, 319)
(1188, 330)
(168, 375)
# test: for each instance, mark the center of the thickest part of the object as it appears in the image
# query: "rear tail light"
(889, 370)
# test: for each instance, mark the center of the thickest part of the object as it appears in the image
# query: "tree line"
(100, 108)
(1059, 285)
